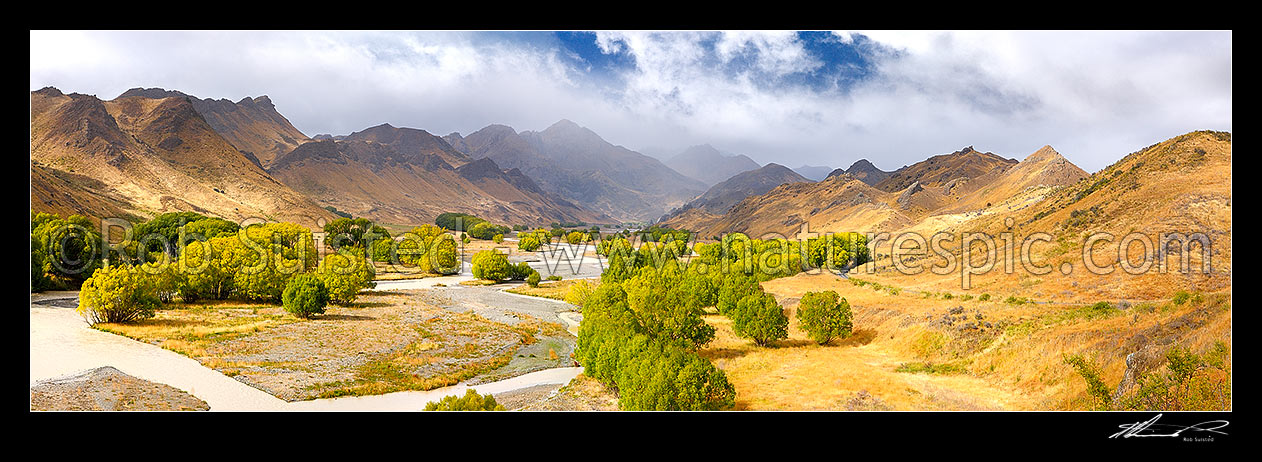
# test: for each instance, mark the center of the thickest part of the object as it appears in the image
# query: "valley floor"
(247, 363)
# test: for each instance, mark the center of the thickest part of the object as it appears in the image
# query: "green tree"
(658, 302)
(305, 295)
(492, 265)
(758, 317)
(71, 248)
(345, 275)
(457, 221)
(353, 232)
(162, 233)
(210, 267)
(120, 293)
(528, 242)
(736, 285)
(210, 227)
(824, 316)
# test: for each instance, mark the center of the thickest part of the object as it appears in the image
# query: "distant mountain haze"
(814, 173)
(721, 197)
(577, 164)
(707, 164)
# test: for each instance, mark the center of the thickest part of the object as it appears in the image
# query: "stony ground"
(581, 394)
(108, 389)
(387, 341)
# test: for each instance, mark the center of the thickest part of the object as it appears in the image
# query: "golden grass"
(1017, 365)
(554, 290)
(450, 348)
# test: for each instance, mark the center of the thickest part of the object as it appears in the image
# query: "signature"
(1151, 428)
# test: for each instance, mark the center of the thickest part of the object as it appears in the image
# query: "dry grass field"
(910, 351)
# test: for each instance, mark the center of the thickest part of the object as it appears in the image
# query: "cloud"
(892, 97)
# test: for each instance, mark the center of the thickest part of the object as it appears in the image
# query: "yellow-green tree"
(120, 293)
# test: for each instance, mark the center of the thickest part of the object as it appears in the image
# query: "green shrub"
(39, 257)
(498, 238)
(824, 316)
(758, 317)
(930, 368)
(575, 237)
(554, 277)
(1190, 382)
(305, 295)
(522, 271)
(471, 401)
(492, 265)
(1099, 392)
(117, 294)
(1181, 297)
(1015, 300)
(533, 279)
(984, 298)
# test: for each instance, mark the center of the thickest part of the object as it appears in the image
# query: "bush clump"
(305, 295)
(824, 316)
(471, 401)
(117, 294)
(528, 242)
(492, 265)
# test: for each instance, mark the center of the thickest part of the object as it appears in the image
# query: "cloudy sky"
(817, 98)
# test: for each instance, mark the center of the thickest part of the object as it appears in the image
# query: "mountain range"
(137, 156)
(404, 175)
(578, 165)
(864, 198)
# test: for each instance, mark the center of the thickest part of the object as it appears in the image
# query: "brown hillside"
(942, 169)
(411, 142)
(143, 156)
(1181, 185)
(252, 125)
